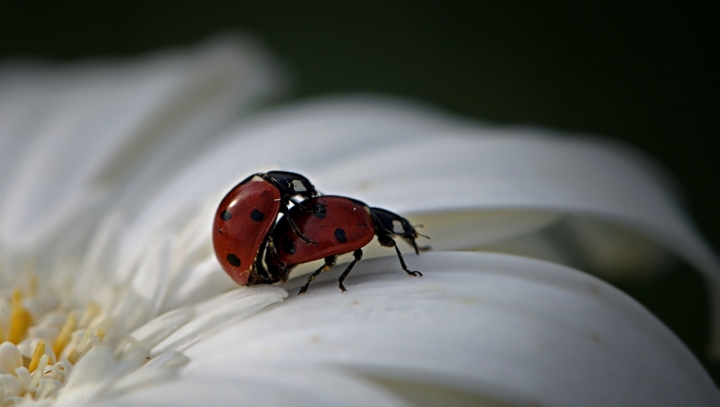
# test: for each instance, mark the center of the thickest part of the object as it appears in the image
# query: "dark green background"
(644, 73)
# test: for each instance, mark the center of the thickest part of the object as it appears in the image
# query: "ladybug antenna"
(422, 248)
(416, 227)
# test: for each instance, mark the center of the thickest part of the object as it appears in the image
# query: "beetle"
(339, 225)
(245, 218)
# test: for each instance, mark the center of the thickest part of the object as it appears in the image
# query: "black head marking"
(233, 260)
(288, 246)
(291, 184)
(340, 235)
(225, 215)
(256, 215)
(388, 223)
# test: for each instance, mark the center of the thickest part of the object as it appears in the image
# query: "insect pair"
(254, 248)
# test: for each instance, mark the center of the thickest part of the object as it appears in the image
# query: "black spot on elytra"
(225, 215)
(233, 260)
(219, 231)
(340, 235)
(319, 211)
(288, 246)
(256, 215)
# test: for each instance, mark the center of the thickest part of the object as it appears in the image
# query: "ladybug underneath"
(339, 225)
(244, 221)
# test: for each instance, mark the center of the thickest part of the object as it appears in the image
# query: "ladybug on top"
(246, 217)
(320, 227)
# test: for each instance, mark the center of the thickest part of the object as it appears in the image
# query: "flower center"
(42, 337)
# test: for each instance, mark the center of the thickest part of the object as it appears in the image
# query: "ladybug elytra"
(245, 218)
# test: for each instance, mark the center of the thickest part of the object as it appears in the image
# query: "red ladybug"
(245, 219)
(338, 225)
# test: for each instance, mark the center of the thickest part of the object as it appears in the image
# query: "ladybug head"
(389, 223)
(291, 184)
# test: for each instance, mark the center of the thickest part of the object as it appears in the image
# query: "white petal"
(219, 312)
(469, 185)
(163, 367)
(505, 327)
(9, 385)
(10, 358)
(264, 384)
(360, 148)
(89, 377)
(151, 333)
(74, 140)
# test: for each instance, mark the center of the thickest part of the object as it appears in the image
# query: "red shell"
(348, 215)
(242, 222)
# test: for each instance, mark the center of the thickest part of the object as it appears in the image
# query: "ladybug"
(245, 219)
(339, 225)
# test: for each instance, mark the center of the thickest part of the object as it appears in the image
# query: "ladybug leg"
(276, 269)
(272, 249)
(329, 262)
(294, 227)
(388, 241)
(358, 255)
(301, 206)
(261, 274)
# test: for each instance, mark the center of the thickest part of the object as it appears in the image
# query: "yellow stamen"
(29, 270)
(37, 375)
(100, 333)
(84, 341)
(92, 309)
(33, 285)
(74, 356)
(37, 354)
(62, 340)
(20, 319)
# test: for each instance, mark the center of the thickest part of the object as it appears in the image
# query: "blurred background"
(645, 73)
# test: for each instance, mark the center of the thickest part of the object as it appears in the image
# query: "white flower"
(110, 175)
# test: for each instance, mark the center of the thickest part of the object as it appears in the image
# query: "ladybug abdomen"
(341, 225)
(242, 222)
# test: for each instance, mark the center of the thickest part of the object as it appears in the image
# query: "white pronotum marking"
(398, 227)
(298, 186)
